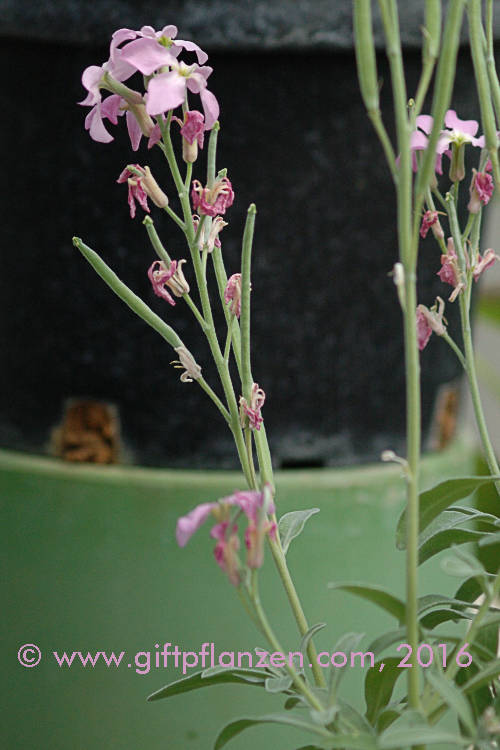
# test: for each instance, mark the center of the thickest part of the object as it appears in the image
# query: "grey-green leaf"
(292, 524)
(197, 681)
(379, 686)
(437, 499)
(237, 726)
(453, 698)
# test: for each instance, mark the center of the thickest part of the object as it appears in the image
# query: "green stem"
(246, 259)
(490, 59)
(301, 686)
(455, 348)
(470, 368)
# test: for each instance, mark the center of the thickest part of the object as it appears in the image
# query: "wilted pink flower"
(252, 412)
(136, 190)
(450, 271)
(213, 240)
(142, 185)
(429, 321)
(214, 200)
(173, 277)
(193, 128)
(430, 220)
(481, 190)
(484, 263)
(255, 505)
(232, 294)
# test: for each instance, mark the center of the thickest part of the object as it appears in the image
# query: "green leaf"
(346, 644)
(310, 633)
(379, 686)
(387, 639)
(437, 499)
(453, 699)
(376, 594)
(490, 539)
(432, 619)
(237, 726)
(278, 684)
(396, 738)
(462, 565)
(483, 677)
(198, 680)
(444, 540)
(292, 524)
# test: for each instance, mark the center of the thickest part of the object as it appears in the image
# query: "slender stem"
(202, 382)
(432, 34)
(408, 258)
(490, 59)
(248, 444)
(299, 683)
(246, 259)
(470, 368)
(455, 348)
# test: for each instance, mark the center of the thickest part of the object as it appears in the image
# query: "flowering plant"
(162, 113)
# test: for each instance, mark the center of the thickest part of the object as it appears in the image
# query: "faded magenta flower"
(430, 220)
(136, 191)
(193, 132)
(484, 262)
(173, 277)
(212, 240)
(214, 200)
(481, 190)
(250, 414)
(430, 321)
(232, 294)
(142, 185)
(450, 271)
(226, 550)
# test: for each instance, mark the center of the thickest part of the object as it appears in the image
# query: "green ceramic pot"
(92, 564)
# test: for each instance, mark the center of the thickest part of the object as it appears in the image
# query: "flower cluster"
(255, 506)
(154, 54)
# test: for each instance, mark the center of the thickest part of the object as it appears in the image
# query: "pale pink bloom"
(484, 263)
(430, 321)
(232, 294)
(251, 412)
(481, 190)
(173, 277)
(214, 200)
(457, 132)
(430, 220)
(187, 525)
(192, 370)
(155, 49)
(226, 550)
(166, 91)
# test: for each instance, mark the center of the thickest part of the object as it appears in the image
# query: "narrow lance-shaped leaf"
(198, 680)
(437, 499)
(292, 524)
(379, 685)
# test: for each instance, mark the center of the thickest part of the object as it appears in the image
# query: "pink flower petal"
(134, 131)
(210, 108)
(165, 92)
(425, 123)
(110, 108)
(469, 127)
(147, 55)
(187, 525)
(192, 47)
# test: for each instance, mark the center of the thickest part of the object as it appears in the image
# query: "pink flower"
(166, 91)
(255, 506)
(450, 271)
(252, 412)
(457, 133)
(481, 190)
(484, 263)
(155, 49)
(430, 220)
(232, 294)
(429, 321)
(214, 200)
(173, 277)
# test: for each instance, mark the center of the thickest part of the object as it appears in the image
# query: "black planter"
(326, 336)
